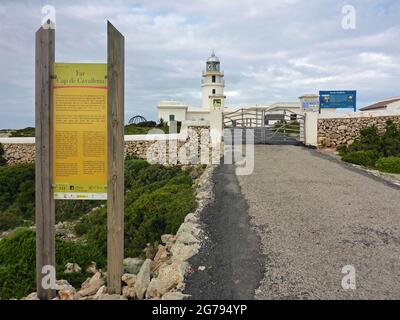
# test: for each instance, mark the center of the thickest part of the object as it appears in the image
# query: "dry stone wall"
(334, 132)
(157, 150)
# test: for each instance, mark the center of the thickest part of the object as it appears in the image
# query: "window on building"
(213, 79)
(171, 117)
(293, 117)
(213, 91)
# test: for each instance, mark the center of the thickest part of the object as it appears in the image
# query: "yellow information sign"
(80, 131)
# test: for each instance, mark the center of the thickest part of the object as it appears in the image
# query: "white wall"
(198, 116)
(180, 113)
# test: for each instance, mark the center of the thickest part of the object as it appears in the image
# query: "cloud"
(269, 50)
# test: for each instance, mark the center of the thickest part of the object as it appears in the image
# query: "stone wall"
(333, 132)
(160, 148)
(19, 153)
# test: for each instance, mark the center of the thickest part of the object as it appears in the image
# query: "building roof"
(213, 58)
(380, 105)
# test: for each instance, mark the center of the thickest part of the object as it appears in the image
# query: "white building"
(212, 88)
(391, 105)
(213, 98)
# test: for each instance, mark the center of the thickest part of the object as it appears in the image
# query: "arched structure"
(137, 120)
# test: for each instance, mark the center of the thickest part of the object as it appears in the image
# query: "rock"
(65, 290)
(92, 268)
(129, 292)
(91, 285)
(189, 227)
(132, 265)
(186, 238)
(100, 292)
(175, 295)
(161, 256)
(143, 279)
(66, 294)
(111, 297)
(72, 268)
(191, 217)
(168, 240)
(165, 238)
(129, 279)
(32, 296)
(173, 274)
(156, 289)
(182, 252)
(150, 251)
(201, 268)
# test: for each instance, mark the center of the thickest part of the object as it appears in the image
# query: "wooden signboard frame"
(45, 203)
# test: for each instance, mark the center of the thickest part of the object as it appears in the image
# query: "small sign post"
(45, 205)
(115, 200)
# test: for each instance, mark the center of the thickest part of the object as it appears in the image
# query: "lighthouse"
(212, 85)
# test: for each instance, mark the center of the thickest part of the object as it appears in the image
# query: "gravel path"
(230, 253)
(315, 215)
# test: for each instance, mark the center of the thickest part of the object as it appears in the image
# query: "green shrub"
(17, 262)
(389, 164)
(371, 146)
(364, 158)
(157, 199)
(3, 161)
(17, 199)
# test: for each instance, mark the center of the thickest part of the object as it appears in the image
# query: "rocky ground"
(161, 275)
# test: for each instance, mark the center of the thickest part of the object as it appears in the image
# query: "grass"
(157, 199)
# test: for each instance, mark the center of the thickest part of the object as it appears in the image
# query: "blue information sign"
(338, 99)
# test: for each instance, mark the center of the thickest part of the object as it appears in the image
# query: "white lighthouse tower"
(212, 85)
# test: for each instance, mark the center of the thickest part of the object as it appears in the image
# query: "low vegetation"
(26, 132)
(157, 199)
(17, 262)
(375, 150)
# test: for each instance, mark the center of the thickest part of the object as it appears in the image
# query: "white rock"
(191, 217)
(132, 265)
(32, 296)
(102, 290)
(111, 297)
(156, 289)
(129, 279)
(173, 274)
(92, 268)
(91, 285)
(189, 227)
(143, 279)
(72, 268)
(201, 268)
(182, 252)
(129, 292)
(186, 238)
(175, 295)
(167, 238)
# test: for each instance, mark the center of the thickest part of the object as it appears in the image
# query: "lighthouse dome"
(213, 58)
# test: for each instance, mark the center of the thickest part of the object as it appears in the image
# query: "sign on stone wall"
(338, 99)
(80, 131)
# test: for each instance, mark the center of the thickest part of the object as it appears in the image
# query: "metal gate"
(267, 127)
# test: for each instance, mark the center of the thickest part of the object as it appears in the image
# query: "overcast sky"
(270, 50)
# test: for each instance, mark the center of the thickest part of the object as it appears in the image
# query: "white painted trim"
(19, 140)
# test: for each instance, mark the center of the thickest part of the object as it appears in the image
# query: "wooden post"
(45, 209)
(115, 200)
